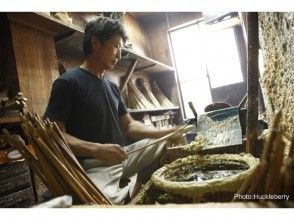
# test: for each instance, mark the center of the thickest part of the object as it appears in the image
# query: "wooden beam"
(252, 83)
(128, 74)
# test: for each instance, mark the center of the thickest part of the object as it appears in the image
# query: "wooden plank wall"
(136, 34)
(36, 64)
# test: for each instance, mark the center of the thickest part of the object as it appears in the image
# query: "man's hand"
(111, 154)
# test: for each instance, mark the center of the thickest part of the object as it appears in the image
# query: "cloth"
(107, 178)
(89, 107)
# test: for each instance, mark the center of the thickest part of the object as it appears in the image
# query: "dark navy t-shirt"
(89, 107)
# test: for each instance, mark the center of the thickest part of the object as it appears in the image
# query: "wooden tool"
(194, 111)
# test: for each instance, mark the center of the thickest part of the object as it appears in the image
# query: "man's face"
(110, 52)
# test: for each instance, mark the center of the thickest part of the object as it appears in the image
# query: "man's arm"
(109, 153)
(138, 130)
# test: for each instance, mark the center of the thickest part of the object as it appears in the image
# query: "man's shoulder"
(71, 74)
(113, 86)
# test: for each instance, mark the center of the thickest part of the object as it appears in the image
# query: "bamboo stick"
(54, 185)
(62, 152)
(80, 172)
(83, 195)
(184, 128)
(128, 74)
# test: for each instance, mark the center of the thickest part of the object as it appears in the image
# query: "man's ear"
(95, 44)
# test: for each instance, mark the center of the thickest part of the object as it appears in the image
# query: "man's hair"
(103, 28)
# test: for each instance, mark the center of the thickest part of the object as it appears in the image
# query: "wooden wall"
(36, 64)
(137, 36)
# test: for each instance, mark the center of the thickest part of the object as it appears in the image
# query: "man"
(89, 110)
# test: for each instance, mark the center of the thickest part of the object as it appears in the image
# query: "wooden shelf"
(152, 110)
(44, 22)
(73, 45)
(74, 38)
(144, 64)
(10, 119)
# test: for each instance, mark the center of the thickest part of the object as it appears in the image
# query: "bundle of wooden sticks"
(275, 173)
(54, 162)
(136, 100)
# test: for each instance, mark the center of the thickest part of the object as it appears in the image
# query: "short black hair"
(103, 28)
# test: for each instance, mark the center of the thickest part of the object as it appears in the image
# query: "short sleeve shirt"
(90, 107)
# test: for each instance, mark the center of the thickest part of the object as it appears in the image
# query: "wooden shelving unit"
(74, 37)
(68, 39)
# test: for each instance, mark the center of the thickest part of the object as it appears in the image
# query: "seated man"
(90, 111)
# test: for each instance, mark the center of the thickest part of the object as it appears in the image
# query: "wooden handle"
(192, 109)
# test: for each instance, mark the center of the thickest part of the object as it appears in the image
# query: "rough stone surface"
(277, 43)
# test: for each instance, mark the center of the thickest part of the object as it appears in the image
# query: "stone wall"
(277, 43)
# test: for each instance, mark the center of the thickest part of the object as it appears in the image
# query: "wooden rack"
(58, 28)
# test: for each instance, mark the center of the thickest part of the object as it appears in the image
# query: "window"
(222, 57)
(191, 68)
(205, 59)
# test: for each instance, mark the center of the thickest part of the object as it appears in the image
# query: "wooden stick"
(128, 74)
(64, 154)
(80, 172)
(73, 183)
(162, 138)
(52, 185)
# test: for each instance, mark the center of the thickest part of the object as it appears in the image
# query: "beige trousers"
(107, 178)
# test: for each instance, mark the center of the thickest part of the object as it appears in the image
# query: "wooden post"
(252, 83)
(128, 74)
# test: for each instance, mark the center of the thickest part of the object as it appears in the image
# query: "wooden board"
(136, 35)
(36, 63)
(10, 119)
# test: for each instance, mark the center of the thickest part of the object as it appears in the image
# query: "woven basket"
(171, 178)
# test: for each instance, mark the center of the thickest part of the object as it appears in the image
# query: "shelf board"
(152, 110)
(44, 22)
(144, 63)
(10, 119)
